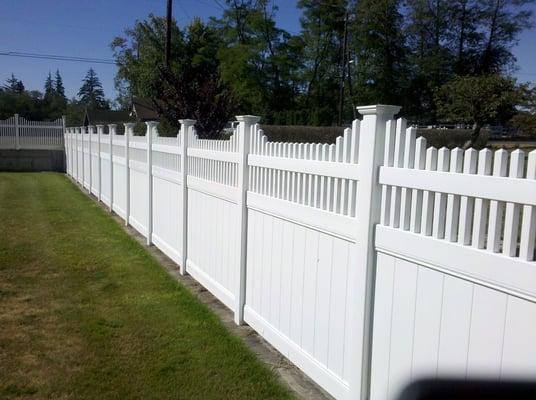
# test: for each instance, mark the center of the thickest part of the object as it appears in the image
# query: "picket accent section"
(473, 200)
(451, 295)
(368, 263)
(20, 133)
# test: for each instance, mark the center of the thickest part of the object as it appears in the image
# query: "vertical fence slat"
(511, 219)
(440, 199)
(528, 224)
(481, 205)
(453, 201)
(388, 159)
(496, 209)
(394, 214)
(416, 198)
(466, 203)
(428, 197)
(405, 198)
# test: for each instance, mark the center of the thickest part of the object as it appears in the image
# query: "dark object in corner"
(452, 389)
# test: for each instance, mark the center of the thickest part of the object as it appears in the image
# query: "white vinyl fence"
(19, 133)
(368, 263)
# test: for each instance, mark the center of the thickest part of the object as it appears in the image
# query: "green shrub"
(302, 134)
(451, 138)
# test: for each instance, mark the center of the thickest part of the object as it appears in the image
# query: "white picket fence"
(368, 263)
(19, 133)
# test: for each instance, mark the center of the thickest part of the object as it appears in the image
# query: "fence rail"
(368, 263)
(19, 133)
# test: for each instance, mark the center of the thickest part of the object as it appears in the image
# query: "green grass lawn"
(87, 313)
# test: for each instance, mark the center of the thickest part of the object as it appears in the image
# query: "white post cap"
(387, 111)
(252, 119)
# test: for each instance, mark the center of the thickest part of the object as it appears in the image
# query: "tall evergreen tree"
(502, 22)
(322, 35)
(431, 59)
(464, 35)
(14, 85)
(91, 93)
(380, 48)
(50, 92)
(58, 85)
(257, 57)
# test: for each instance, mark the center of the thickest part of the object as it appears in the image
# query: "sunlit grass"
(87, 313)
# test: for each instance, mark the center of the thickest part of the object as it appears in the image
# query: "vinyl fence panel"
(369, 263)
(20, 133)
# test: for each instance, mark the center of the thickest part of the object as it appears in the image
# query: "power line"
(57, 57)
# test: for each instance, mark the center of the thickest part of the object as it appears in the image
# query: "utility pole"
(168, 31)
(343, 72)
(350, 87)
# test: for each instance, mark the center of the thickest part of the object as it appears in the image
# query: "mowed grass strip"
(87, 313)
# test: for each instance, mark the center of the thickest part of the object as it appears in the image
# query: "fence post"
(82, 133)
(186, 126)
(17, 133)
(111, 133)
(91, 132)
(129, 130)
(100, 129)
(75, 134)
(67, 139)
(246, 124)
(371, 150)
(151, 126)
(65, 144)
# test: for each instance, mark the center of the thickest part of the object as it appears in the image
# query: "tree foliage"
(478, 100)
(449, 38)
(14, 99)
(348, 52)
(139, 53)
(191, 87)
(13, 85)
(195, 89)
(91, 93)
(49, 87)
(525, 123)
(58, 85)
(322, 38)
(381, 74)
(257, 59)
(54, 100)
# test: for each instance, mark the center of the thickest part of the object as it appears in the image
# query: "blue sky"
(85, 28)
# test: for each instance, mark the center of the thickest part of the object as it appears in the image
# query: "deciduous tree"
(478, 100)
